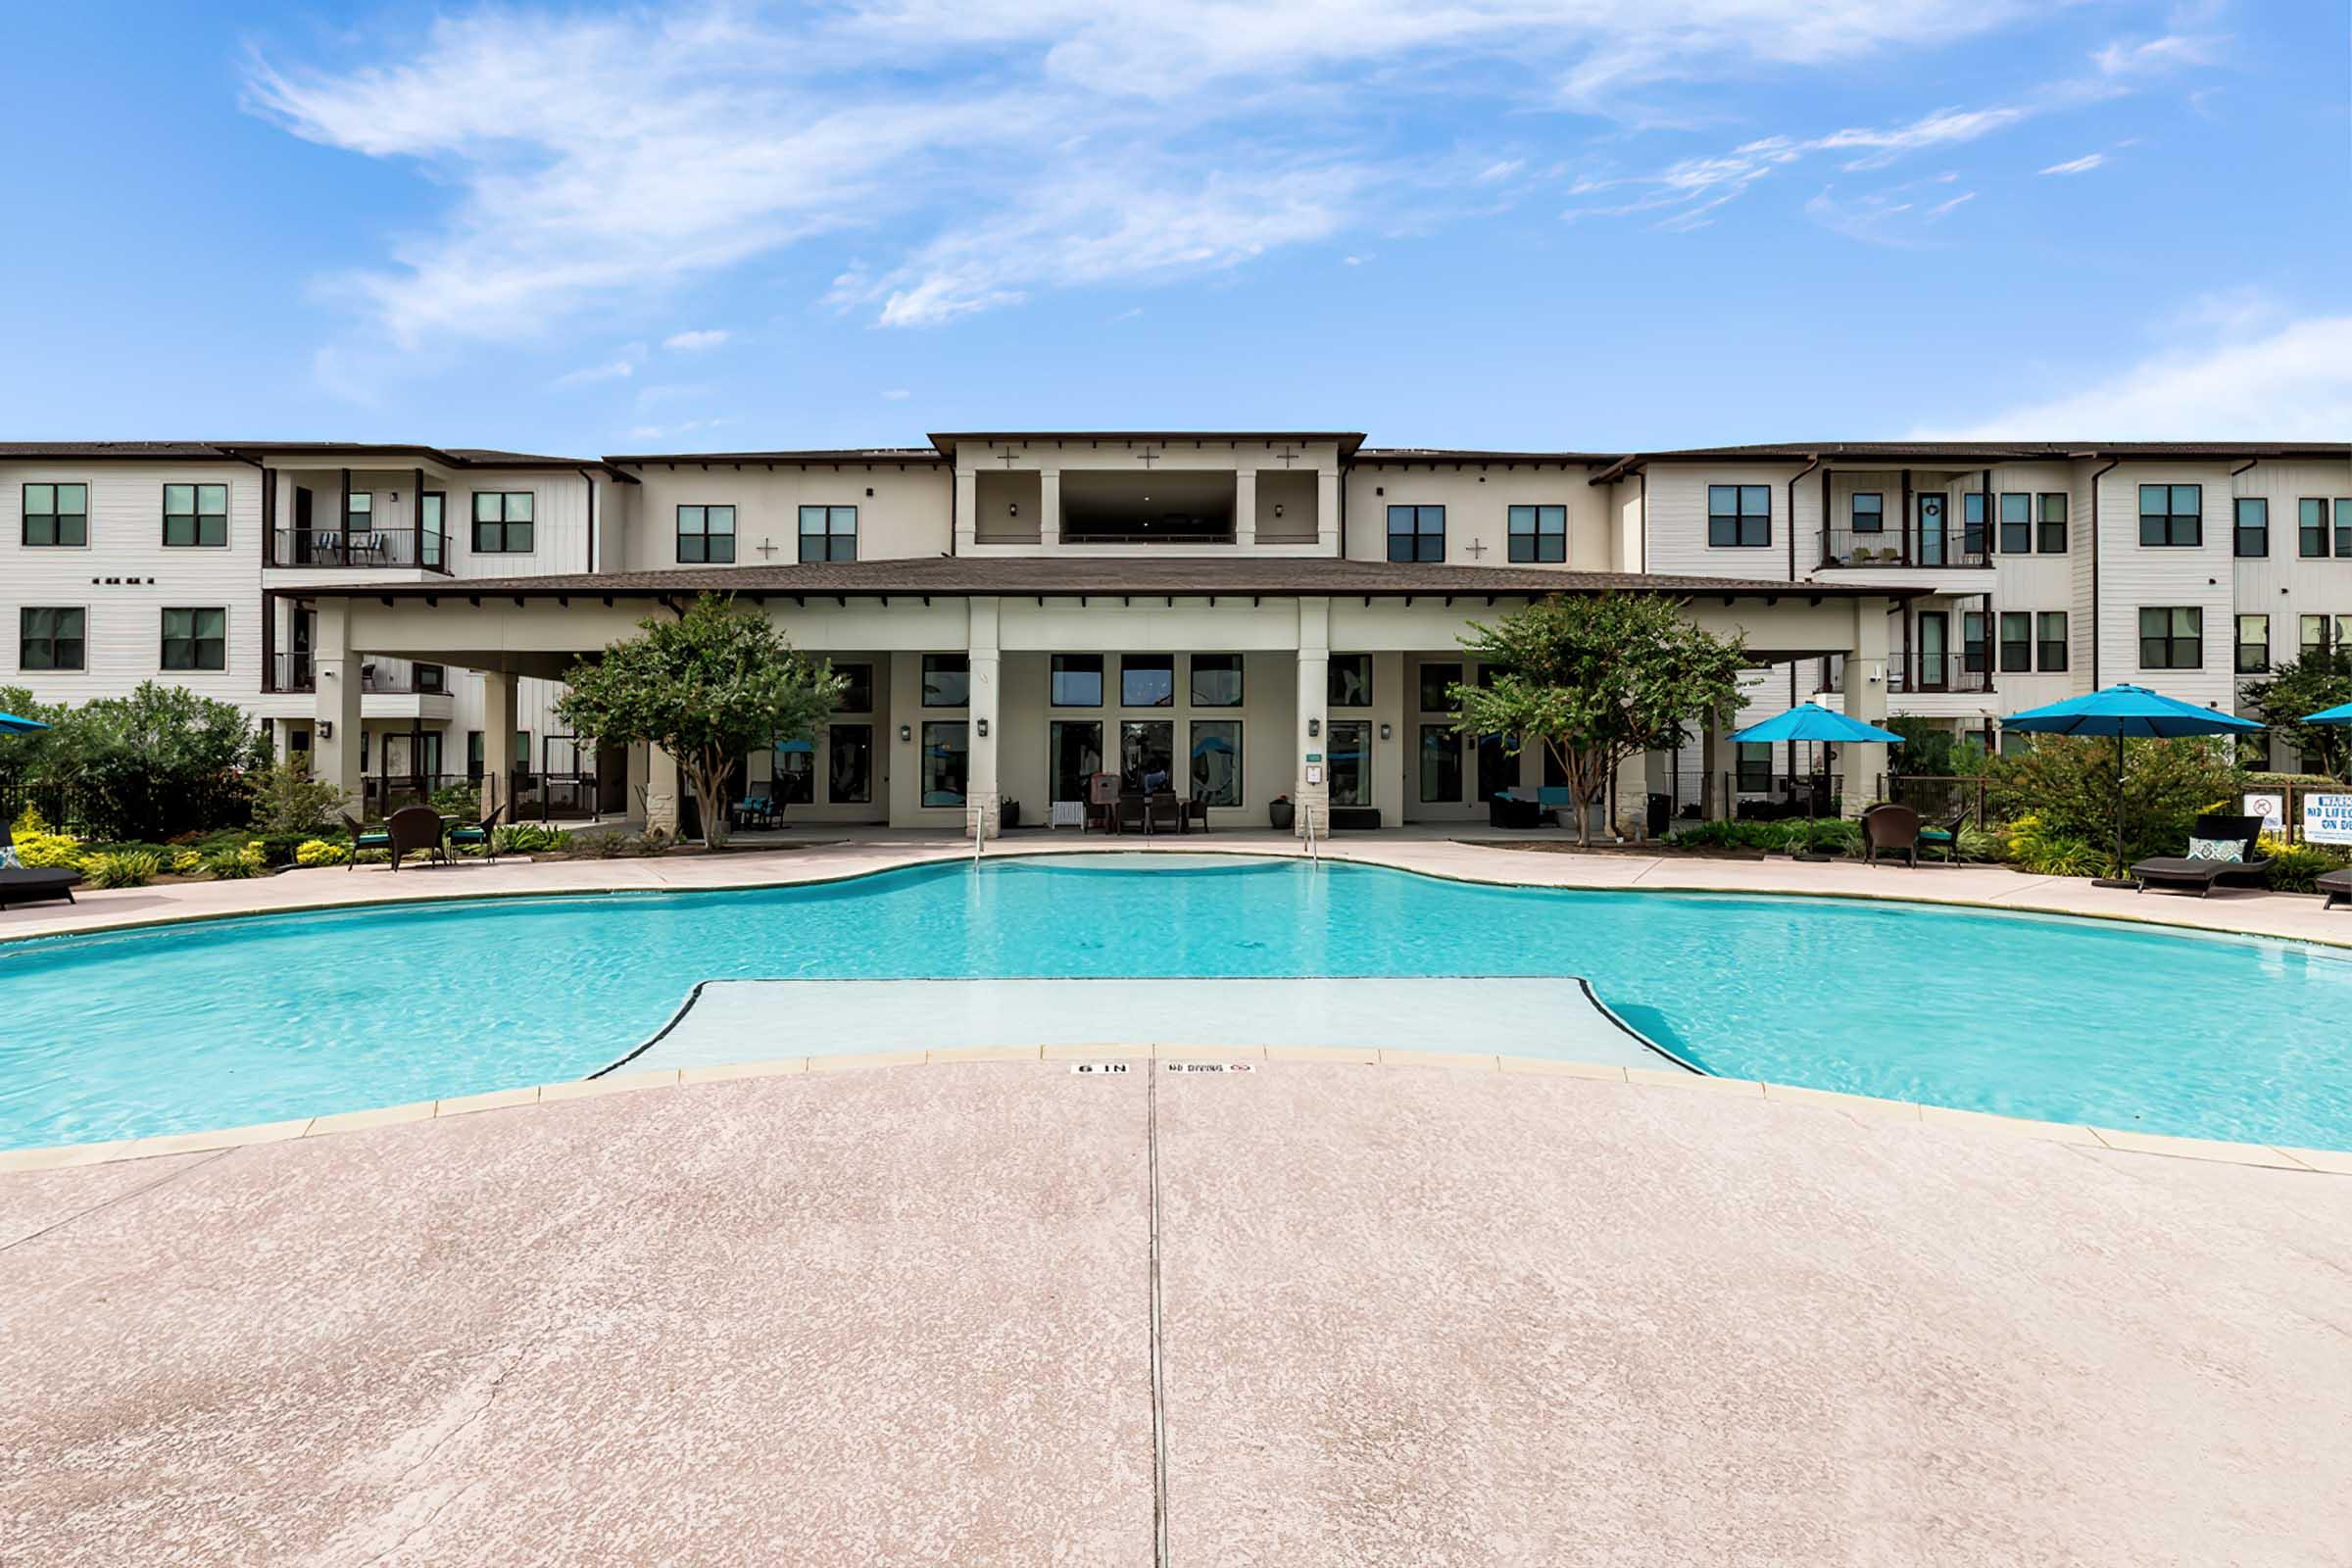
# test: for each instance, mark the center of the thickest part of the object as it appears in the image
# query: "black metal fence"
(399, 549)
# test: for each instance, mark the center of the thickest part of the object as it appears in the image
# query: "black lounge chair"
(2337, 885)
(28, 884)
(2179, 871)
(483, 833)
(1893, 829)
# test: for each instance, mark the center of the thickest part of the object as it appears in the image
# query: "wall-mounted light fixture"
(327, 729)
(1013, 509)
(984, 729)
(905, 732)
(1278, 509)
(1384, 732)
(1314, 727)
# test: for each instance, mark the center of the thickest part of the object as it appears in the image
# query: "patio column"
(661, 791)
(498, 742)
(1862, 766)
(982, 799)
(335, 704)
(967, 509)
(1327, 511)
(1313, 799)
(1049, 507)
(1245, 507)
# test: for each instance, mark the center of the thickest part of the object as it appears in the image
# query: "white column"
(1327, 511)
(335, 705)
(982, 796)
(1313, 799)
(1714, 795)
(1049, 507)
(1245, 507)
(498, 742)
(967, 509)
(661, 791)
(1865, 700)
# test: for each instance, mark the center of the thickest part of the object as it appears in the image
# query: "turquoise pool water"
(251, 1020)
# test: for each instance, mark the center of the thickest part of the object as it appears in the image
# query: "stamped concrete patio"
(1404, 1316)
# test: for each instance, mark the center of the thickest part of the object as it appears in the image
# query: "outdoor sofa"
(2202, 872)
(28, 884)
(2337, 885)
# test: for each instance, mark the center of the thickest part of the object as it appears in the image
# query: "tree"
(713, 684)
(155, 764)
(287, 800)
(2319, 679)
(1595, 681)
(2067, 784)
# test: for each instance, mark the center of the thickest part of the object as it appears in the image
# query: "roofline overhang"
(560, 589)
(1348, 441)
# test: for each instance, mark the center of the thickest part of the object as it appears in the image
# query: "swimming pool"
(220, 1023)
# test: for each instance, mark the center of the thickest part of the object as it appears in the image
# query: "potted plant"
(1280, 812)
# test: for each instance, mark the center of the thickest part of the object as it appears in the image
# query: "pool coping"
(2210, 1150)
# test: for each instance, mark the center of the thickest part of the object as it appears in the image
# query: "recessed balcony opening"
(1168, 507)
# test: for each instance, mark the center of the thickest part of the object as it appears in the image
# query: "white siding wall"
(2135, 576)
(1478, 498)
(906, 514)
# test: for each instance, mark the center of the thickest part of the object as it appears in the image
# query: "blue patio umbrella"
(2126, 712)
(11, 724)
(796, 747)
(1811, 721)
(2340, 713)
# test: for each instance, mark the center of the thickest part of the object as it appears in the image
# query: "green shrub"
(232, 864)
(372, 857)
(186, 862)
(2296, 867)
(36, 845)
(121, 868)
(461, 801)
(2036, 849)
(528, 838)
(2066, 784)
(286, 800)
(321, 852)
(1982, 844)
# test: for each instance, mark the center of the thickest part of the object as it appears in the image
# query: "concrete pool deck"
(1409, 1315)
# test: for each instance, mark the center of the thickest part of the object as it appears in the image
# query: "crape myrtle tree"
(2322, 679)
(1596, 681)
(707, 686)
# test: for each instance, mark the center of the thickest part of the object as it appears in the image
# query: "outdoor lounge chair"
(363, 837)
(1945, 838)
(28, 884)
(1163, 812)
(413, 828)
(2201, 871)
(2337, 885)
(1128, 815)
(1892, 828)
(484, 833)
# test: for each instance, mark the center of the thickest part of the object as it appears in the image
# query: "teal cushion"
(371, 841)
(1935, 835)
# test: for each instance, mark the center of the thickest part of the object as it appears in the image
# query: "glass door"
(1934, 648)
(1073, 755)
(1147, 755)
(1349, 760)
(1932, 531)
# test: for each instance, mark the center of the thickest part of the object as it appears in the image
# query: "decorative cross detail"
(1475, 549)
(766, 548)
(1287, 455)
(1146, 459)
(1007, 459)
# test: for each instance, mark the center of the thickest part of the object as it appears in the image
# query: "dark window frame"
(194, 639)
(1148, 665)
(2047, 529)
(359, 512)
(1876, 512)
(705, 552)
(2310, 527)
(196, 517)
(1193, 680)
(1732, 530)
(935, 668)
(1421, 693)
(80, 640)
(2259, 532)
(855, 685)
(2261, 662)
(2343, 527)
(1417, 541)
(962, 728)
(833, 751)
(2162, 531)
(1195, 758)
(1445, 751)
(832, 542)
(2017, 533)
(56, 515)
(1751, 767)
(2017, 653)
(504, 527)
(2169, 643)
(2047, 661)
(1545, 535)
(1331, 677)
(1055, 671)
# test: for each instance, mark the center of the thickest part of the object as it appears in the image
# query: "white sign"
(2272, 808)
(2327, 819)
(1208, 1066)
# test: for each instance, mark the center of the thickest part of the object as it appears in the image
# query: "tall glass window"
(1348, 761)
(1216, 680)
(1347, 680)
(1436, 683)
(828, 534)
(1076, 681)
(1217, 760)
(2017, 641)
(2253, 527)
(2310, 527)
(1539, 533)
(1073, 755)
(947, 680)
(197, 514)
(2253, 643)
(1972, 528)
(1147, 755)
(2053, 522)
(1147, 680)
(1441, 764)
(795, 771)
(946, 756)
(2016, 523)
(856, 688)
(849, 764)
(57, 515)
(1416, 533)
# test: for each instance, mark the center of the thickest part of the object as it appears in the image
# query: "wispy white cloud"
(1944, 208)
(1497, 172)
(896, 394)
(690, 342)
(2170, 51)
(1943, 129)
(617, 369)
(2077, 165)
(2289, 381)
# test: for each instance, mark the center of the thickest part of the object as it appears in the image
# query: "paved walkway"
(1406, 1316)
(811, 855)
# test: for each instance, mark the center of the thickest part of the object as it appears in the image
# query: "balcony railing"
(299, 673)
(293, 673)
(398, 549)
(1919, 672)
(1848, 547)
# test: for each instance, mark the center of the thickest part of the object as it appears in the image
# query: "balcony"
(393, 549)
(1914, 673)
(1847, 548)
(293, 673)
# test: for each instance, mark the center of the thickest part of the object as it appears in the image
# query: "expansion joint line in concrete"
(1159, 1405)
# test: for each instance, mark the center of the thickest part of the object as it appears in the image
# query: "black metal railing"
(1848, 547)
(399, 549)
(1946, 673)
(293, 673)
(404, 679)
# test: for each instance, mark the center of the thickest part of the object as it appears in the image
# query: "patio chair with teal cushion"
(485, 833)
(378, 836)
(1945, 838)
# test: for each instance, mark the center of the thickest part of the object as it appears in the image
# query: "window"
(1077, 682)
(2052, 626)
(2016, 523)
(1347, 681)
(195, 639)
(1972, 526)
(2311, 635)
(947, 680)
(1441, 764)
(359, 513)
(2017, 642)
(2053, 523)
(1416, 533)
(1973, 653)
(1349, 759)
(795, 773)
(2253, 643)
(2343, 527)
(2253, 528)
(57, 515)
(431, 679)
(2172, 639)
(1217, 760)
(1870, 512)
(1739, 515)
(1073, 757)
(946, 755)
(849, 766)
(1147, 755)
(856, 688)
(705, 534)
(2172, 515)
(828, 534)
(473, 754)
(1147, 680)
(1539, 533)
(501, 522)
(2310, 527)
(197, 514)
(1755, 765)
(1216, 680)
(1436, 680)
(49, 638)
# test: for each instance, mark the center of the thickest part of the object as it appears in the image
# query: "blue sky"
(1582, 223)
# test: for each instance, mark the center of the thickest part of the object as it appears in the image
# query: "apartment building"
(1233, 616)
